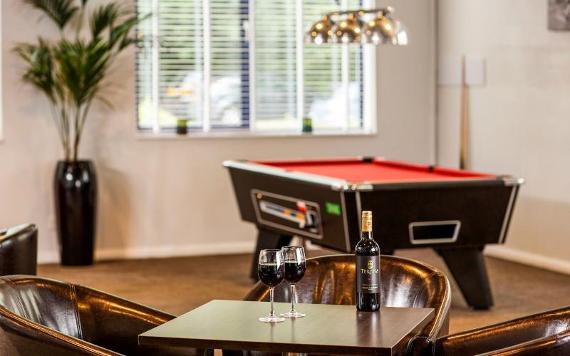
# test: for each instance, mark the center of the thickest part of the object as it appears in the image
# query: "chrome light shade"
(321, 31)
(347, 30)
(384, 30)
(358, 26)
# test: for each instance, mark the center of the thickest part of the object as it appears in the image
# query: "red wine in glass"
(294, 271)
(271, 274)
(271, 271)
(295, 265)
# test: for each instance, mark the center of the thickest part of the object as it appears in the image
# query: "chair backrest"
(543, 333)
(48, 303)
(44, 316)
(41, 314)
(405, 283)
(18, 250)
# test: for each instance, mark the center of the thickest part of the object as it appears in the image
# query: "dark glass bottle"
(367, 268)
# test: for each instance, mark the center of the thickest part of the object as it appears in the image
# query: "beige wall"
(171, 196)
(520, 119)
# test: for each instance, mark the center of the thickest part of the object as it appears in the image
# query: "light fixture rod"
(385, 11)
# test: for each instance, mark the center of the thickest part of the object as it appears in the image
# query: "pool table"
(455, 212)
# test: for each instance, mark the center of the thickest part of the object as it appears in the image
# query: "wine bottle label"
(368, 274)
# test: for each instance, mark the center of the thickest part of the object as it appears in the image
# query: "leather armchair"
(405, 283)
(41, 316)
(546, 333)
(18, 250)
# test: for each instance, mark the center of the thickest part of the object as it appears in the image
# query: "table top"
(375, 170)
(224, 324)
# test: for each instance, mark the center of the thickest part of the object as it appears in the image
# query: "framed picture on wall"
(559, 15)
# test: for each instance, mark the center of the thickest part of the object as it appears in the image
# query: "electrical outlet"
(474, 71)
(449, 71)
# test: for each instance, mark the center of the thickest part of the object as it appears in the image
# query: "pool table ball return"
(455, 212)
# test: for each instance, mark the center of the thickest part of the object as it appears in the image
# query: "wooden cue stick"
(464, 120)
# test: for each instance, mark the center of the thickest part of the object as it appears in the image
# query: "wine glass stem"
(293, 298)
(271, 299)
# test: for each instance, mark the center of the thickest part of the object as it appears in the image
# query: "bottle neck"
(366, 235)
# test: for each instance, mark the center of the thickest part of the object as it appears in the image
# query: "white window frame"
(369, 93)
(1, 78)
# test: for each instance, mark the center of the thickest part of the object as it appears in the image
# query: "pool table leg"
(267, 239)
(467, 266)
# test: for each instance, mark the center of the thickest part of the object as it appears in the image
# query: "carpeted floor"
(177, 285)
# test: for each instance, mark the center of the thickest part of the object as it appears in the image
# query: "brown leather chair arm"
(479, 340)
(114, 322)
(440, 322)
(422, 343)
(548, 346)
(23, 337)
(504, 335)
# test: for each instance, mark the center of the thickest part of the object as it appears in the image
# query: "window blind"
(332, 73)
(239, 64)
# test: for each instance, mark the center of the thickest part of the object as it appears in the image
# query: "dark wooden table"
(339, 329)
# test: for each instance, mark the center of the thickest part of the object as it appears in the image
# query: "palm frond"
(60, 11)
(127, 41)
(96, 65)
(82, 67)
(120, 34)
(104, 17)
(40, 69)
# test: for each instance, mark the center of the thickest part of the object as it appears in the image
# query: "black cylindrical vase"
(75, 207)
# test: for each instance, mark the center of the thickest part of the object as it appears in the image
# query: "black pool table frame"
(456, 218)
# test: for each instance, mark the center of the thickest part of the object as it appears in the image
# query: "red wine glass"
(295, 265)
(271, 272)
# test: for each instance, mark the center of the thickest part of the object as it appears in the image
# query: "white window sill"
(141, 135)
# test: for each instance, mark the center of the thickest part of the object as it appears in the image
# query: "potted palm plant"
(69, 72)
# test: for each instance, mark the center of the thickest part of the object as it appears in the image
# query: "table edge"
(145, 340)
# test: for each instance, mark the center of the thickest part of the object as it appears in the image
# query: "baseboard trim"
(528, 258)
(226, 248)
(219, 248)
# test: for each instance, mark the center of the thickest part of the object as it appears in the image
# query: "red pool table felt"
(378, 170)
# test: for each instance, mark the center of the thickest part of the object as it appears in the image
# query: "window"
(243, 65)
(1, 102)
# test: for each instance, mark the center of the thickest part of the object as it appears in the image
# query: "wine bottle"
(367, 268)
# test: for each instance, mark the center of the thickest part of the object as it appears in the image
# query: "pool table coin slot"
(434, 232)
(293, 215)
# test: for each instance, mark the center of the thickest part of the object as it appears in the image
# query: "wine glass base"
(293, 315)
(271, 319)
